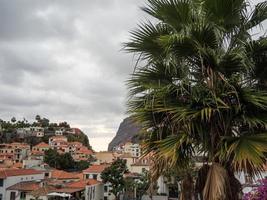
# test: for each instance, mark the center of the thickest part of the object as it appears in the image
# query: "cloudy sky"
(63, 60)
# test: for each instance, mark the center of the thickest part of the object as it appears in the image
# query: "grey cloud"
(63, 60)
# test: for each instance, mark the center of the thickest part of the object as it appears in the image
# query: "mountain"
(128, 131)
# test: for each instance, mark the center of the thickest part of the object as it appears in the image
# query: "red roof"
(25, 186)
(77, 130)
(18, 165)
(42, 145)
(18, 172)
(60, 174)
(95, 168)
(85, 150)
(83, 183)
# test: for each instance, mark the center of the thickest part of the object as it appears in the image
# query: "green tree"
(38, 118)
(114, 175)
(66, 161)
(142, 184)
(13, 120)
(51, 157)
(201, 89)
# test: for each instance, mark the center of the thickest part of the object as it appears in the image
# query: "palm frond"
(144, 40)
(247, 152)
(175, 13)
(258, 15)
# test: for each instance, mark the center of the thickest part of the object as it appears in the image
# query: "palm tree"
(201, 89)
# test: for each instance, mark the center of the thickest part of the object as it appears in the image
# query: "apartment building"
(9, 177)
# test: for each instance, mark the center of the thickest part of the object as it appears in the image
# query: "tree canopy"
(201, 88)
(114, 174)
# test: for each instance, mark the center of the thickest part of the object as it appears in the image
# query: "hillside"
(128, 131)
(24, 131)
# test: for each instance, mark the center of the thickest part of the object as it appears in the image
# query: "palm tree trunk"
(187, 188)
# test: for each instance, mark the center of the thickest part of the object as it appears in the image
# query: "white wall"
(98, 193)
(12, 180)
(29, 197)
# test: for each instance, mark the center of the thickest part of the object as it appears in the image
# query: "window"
(1, 182)
(12, 195)
(105, 198)
(105, 188)
(22, 195)
(95, 176)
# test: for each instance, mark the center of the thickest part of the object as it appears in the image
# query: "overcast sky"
(62, 60)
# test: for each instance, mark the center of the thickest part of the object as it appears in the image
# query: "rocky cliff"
(128, 131)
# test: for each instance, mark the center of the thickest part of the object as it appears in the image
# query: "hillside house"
(9, 177)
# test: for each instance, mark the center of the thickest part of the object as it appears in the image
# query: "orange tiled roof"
(83, 183)
(18, 172)
(42, 145)
(18, 165)
(43, 191)
(38, 153)
(95, 168)
(93, 182)
(77, 184)
(85, 150)
(60, 174)
(20, 145)
(25, 186)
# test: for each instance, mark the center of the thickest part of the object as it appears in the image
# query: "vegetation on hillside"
(9, 134)
(64, 161)
(201, 90)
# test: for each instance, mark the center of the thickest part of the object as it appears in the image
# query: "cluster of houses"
(24, 175)
(40, 132)
(15, 153)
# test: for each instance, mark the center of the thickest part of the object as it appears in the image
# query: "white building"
(94, 172)
(94, 190)
(133, 148)
(9, 177)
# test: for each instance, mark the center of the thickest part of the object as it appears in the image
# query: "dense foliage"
(114, 174)
(201, 90)
(64, 161)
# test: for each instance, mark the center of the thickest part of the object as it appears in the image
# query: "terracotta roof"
(95, 168)
(43, 191)
(85, 150)
(93, 182)
(18, 172)
(42, 145)
(60, 174)
(80, 175)
(18, 165)
(19, 144)
(83, 183)
(77, 130)
(25, 186)
(40, 153)
(77, 184)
